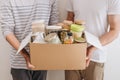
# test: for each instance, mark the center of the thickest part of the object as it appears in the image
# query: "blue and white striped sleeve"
(54, 16)
(6, 19)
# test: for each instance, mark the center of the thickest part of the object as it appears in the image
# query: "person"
(102, 19)
(16, 20)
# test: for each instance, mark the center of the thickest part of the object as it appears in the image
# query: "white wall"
(111, 70)
(4, 60)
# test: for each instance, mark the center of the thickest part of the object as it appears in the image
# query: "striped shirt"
(16, 16)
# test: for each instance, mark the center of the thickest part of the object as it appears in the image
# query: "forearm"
(109, 37)
(12, 40)
(70, 16)
(15, 44)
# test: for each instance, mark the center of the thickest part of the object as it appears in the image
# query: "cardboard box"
(59, 56)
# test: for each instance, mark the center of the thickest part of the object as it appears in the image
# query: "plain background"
(112, 66)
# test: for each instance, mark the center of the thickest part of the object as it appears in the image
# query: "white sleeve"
(69, 5)
(113, 7)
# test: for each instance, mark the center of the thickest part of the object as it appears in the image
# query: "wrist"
(25, 54)
(92, 48)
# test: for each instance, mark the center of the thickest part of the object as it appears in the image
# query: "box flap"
(24, 42)
(93, 40)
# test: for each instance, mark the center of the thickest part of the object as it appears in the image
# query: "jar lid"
(69, 34)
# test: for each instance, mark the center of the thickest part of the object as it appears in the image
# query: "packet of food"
(52, 38)
(38, 26)
(39, 38)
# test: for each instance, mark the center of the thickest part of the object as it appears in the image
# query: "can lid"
(54, 27)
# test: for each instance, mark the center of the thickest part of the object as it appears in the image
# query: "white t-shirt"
(94, 13)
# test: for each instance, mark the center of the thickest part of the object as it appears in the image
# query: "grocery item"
(69, 38)
(39, 38)
(77, 30)
(62, 34)
(51, 29)
(79, 22)
(60, 24)
(67, 22)
(52, 38)
(38, 26)
(80, 39)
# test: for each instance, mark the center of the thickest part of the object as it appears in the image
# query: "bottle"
(62, 35)
(69, 38)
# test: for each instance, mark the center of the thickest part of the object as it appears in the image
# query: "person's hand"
(27, 58)
(90, 50)
(29, 65)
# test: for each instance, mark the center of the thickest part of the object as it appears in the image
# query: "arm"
(108, 37)
(70, 16)
(15, 43)
(114, 21)
(8, 25)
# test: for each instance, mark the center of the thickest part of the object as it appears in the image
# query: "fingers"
(30, 66)
(87, 62)
(89, 53)
(88, 59)
(90, 50)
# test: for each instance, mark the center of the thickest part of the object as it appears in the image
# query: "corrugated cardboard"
(58, 56)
